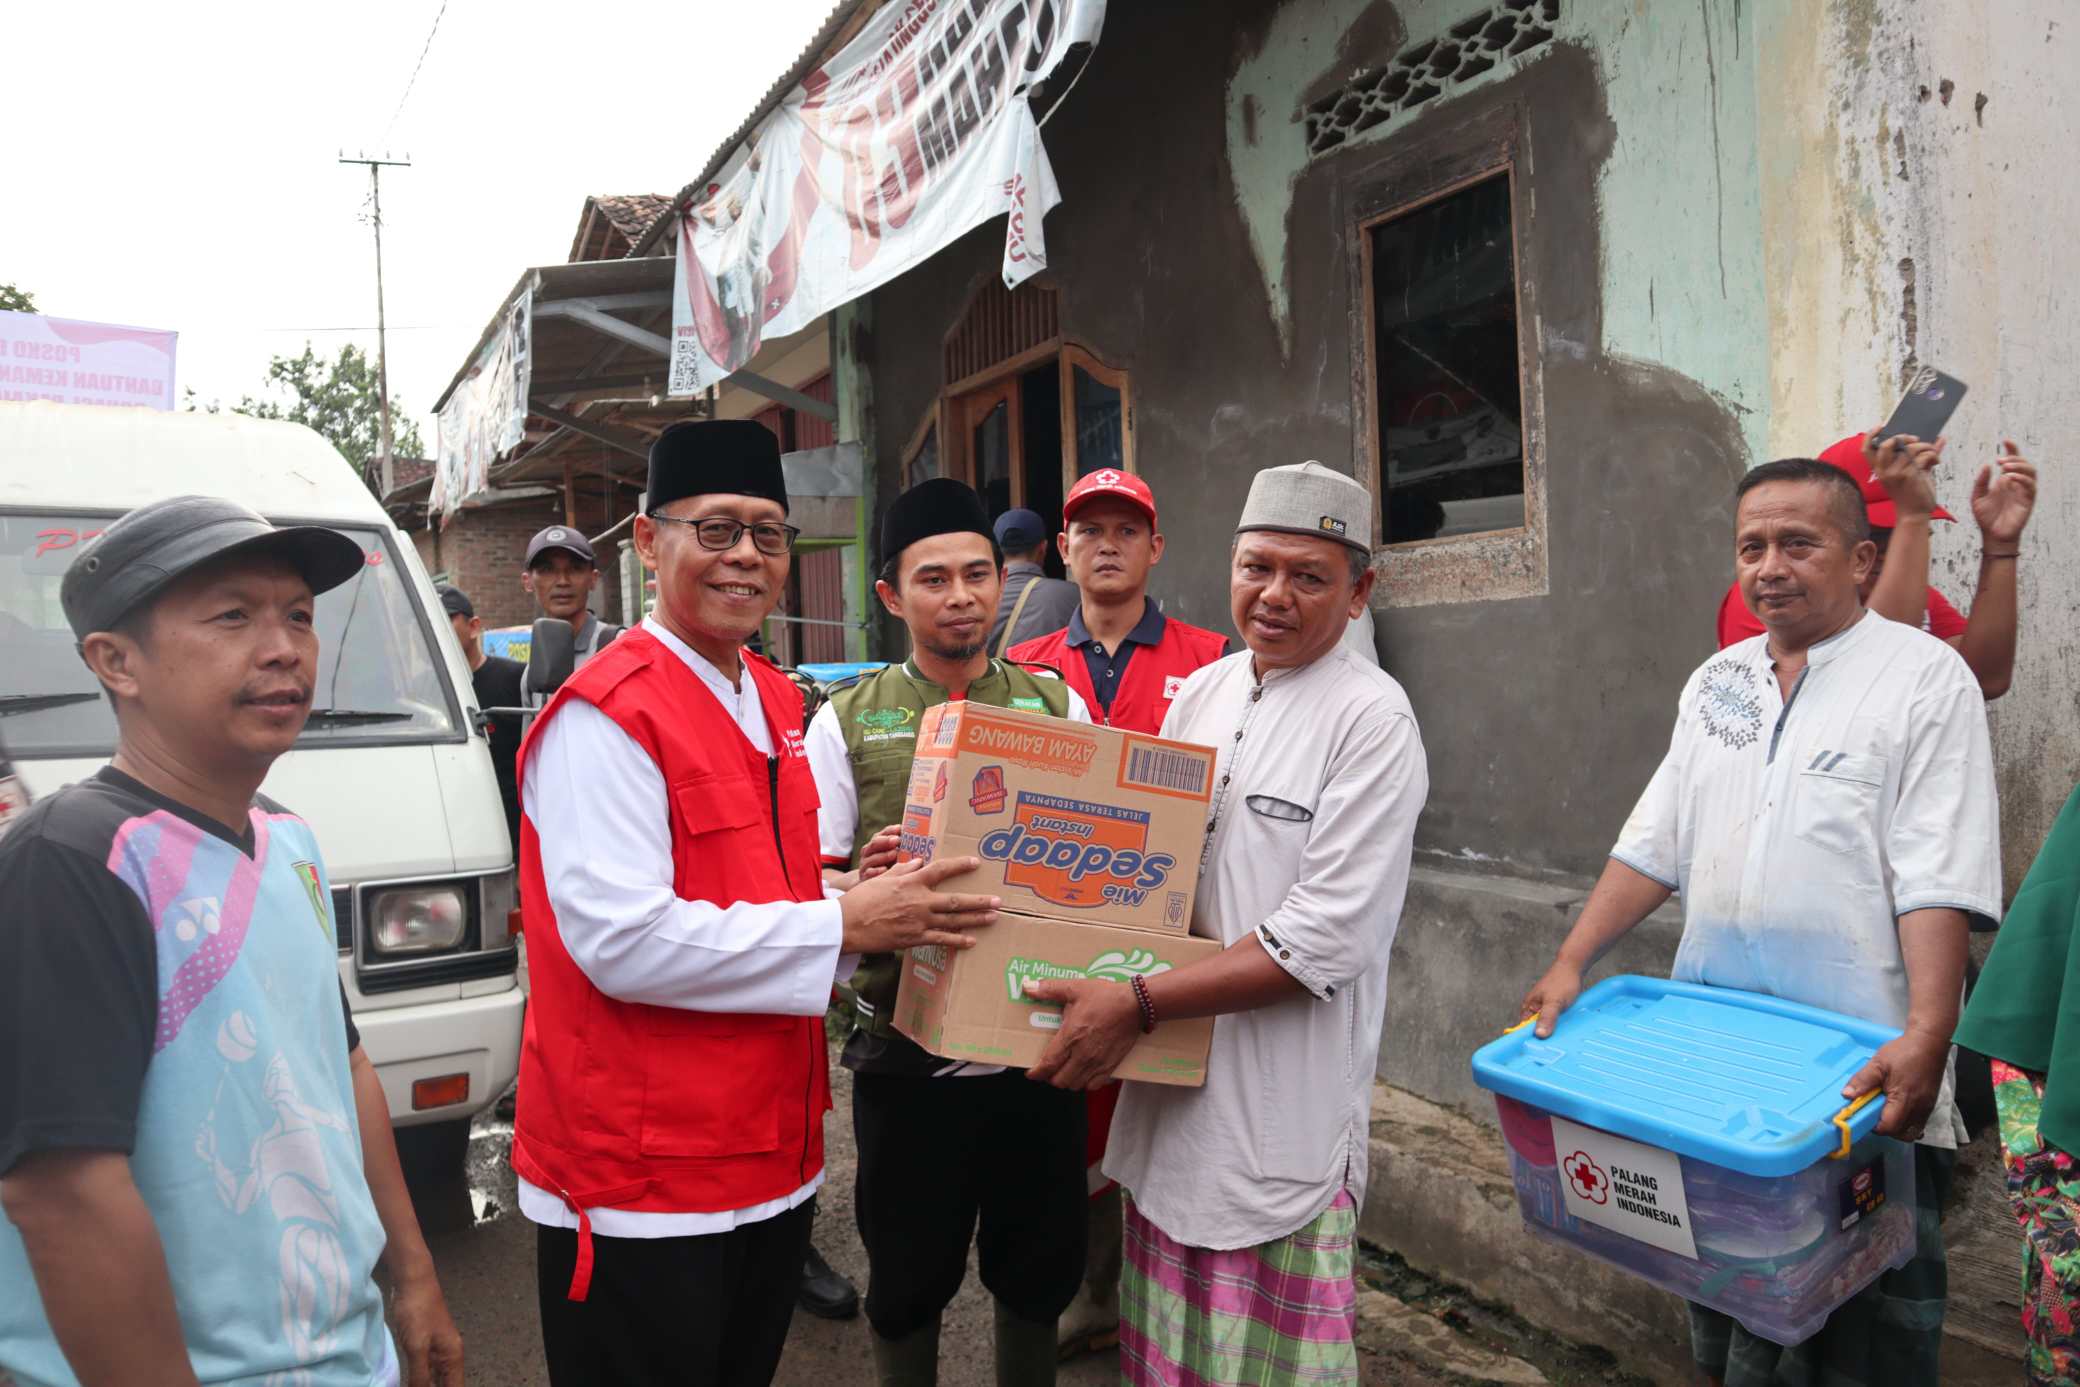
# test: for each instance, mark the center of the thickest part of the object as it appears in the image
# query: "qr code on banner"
(686, 367)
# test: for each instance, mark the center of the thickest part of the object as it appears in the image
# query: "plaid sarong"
(1886, 1335)
(2044, 1189)
(1284, 1311)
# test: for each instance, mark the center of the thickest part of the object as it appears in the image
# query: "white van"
(392, 771)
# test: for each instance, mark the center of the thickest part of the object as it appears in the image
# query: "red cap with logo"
(1110, 481)
(1848, 456)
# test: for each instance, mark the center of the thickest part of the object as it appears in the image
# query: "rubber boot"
(911, 1361)
(1025, 1350)
(1091, 1322)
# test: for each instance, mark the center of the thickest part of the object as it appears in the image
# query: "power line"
(414, 81)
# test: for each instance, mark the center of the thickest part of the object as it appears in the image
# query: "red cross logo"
(1108, 477)
(1587, 1177)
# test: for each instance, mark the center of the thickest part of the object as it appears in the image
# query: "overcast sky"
(174, 166)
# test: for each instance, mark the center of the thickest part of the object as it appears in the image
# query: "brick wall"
(481, 550)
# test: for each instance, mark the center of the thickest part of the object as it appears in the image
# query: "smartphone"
(1931, 398)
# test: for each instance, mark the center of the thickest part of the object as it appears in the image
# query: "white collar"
(1820, 652)
(728, 694)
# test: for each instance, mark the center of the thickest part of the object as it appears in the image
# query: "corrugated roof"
(832, 35)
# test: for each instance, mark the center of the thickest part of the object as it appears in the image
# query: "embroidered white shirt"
(1798, 831)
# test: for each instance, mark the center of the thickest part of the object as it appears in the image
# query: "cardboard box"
(971, 1004)
(1071, 821)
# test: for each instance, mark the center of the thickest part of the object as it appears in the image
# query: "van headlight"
(411, 920)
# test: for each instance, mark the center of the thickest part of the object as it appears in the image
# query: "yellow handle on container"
(1841, 1120)
(1512, 1030)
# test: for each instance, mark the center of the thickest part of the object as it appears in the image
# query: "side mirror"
(551, 656)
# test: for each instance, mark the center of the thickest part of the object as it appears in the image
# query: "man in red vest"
(1127, 660)
(669, 1131)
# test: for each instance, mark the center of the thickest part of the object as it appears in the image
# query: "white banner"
(85, 363)
(486, 415)
(919, 131)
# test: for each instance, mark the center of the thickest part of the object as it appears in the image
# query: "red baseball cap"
(1110, 481)
(1848, 456)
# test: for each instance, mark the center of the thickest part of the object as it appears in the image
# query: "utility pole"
(375, 192)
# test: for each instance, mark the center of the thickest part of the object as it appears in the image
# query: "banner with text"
(919, 131)
(85, 363)
(485, 416)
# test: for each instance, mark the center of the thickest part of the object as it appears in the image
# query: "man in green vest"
(948, 1152)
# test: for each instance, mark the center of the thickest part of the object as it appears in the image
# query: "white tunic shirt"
(1319, 779)
(1798, 832)
(598, 803)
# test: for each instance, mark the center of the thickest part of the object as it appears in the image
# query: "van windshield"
(378, 678)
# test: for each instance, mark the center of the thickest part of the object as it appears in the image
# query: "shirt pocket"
(709, 1081)
(1836, 801)
(1277, 820)
(729, 844)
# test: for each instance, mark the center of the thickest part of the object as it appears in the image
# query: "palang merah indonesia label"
(1624, 1186)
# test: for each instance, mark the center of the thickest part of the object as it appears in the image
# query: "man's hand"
(2003, 495)
(1100, 1022)
(899, 909)
(426, 1334)
(880, 852)
(1903, 465)
(1551, 995)
(1910, 1071)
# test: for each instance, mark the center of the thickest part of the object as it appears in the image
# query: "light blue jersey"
(247, 1151)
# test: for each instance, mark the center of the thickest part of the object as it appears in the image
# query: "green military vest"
(879, 714)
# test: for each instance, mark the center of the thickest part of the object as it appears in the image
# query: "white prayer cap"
(1310, 499)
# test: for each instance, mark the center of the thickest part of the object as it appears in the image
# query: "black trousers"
(939, 1156)
(667, 1312)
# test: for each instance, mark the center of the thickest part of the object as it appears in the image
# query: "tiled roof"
(632, 214)
(611, 223)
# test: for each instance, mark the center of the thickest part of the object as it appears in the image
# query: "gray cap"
(559, 537)
(1307, 498)
(138, 555)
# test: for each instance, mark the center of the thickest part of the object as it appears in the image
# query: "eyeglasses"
(719, 532)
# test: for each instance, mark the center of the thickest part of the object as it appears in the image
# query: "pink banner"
(85, 363)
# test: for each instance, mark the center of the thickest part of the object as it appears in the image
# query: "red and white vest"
(657, 1109)
(1152, 678)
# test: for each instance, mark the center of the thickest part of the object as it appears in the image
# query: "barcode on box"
(944, 734)
(1164, 768)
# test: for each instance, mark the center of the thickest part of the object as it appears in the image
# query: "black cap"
(940, 506)
(455, 602)
(134, 559)
(715, 457)
(1019, 530)
(560, 537)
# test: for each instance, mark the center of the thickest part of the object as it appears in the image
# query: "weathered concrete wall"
(1918, 202)
(1542, 716)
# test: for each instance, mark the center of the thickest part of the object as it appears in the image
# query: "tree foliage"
(16, 300)
(339, 399)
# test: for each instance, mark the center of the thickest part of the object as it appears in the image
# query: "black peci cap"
(937, 506)
(716, 457)
(135, 558)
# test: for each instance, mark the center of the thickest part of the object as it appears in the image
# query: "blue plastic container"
(1696, 1137)
(829, 673)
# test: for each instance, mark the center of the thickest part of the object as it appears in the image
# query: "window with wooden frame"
(1446, 390)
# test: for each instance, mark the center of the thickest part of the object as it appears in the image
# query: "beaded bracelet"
(1148, 1008)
